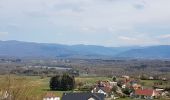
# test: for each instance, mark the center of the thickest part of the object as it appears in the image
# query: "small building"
(151, 78)
(136, 86)
(165, 94)
(164, 79)
(51, 96)
(126, 77)
(83, 96)
(123, 86)
(113, 83)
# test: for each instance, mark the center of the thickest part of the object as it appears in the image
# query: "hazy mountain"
(30, 49)
(161, 51)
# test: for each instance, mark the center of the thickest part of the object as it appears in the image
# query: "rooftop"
(82, 96)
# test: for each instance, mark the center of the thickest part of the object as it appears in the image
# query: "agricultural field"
(31, 86)
(34, 87)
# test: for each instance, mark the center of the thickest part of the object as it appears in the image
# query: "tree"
(79, 84)
(127, 91)
(120, 83)
(114, 78)
(55, 83)
(143, 77)
(64, 82)
(67, 82)
(114, 89)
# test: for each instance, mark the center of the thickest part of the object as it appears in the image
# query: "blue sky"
(94, 22)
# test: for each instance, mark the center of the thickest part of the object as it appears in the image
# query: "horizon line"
(83, 44)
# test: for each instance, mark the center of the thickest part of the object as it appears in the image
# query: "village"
(124, 88)
(71, 80)
(73, 85)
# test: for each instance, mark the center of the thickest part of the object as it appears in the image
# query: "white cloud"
(92, 12)
(104, 18)
(128, 39)
(136, 38)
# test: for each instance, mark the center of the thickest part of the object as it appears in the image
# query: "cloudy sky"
(95, 22)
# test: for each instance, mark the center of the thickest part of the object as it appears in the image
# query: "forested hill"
(30, 49)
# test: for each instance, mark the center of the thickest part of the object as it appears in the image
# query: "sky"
(90, 22)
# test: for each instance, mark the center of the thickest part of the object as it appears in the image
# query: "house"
(145, 93)
(123, 86)
(104, 90)
(151, 78)
(103, 87)
(136, 86)
(113, 83)
(130, 83)
(164, 79)
(83, 96)
(51, 96)
(165, 94)
(127, 78)
(104, 84)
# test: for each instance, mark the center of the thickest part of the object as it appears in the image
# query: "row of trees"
(63, 82)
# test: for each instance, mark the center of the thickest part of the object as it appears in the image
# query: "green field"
(38, 87)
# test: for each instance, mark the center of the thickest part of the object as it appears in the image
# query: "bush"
(127, 91)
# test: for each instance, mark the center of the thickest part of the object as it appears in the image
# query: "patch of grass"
(126, 98)
(150, 83)
(91, 80)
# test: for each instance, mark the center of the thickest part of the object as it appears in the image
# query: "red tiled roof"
(145, 92)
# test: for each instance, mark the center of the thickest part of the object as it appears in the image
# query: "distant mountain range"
(30, 49)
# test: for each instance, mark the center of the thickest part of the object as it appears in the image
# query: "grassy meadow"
(33, 87)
